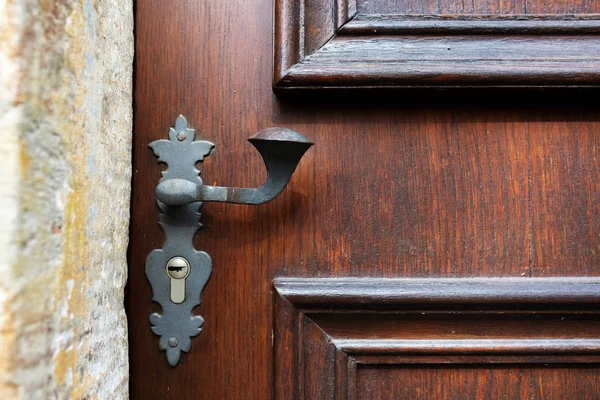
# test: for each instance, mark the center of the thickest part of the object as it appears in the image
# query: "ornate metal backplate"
(178, 272)
(176, 325)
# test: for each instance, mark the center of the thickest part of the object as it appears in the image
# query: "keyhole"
(178, 269)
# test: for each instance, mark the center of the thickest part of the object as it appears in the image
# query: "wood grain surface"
(400, 338)
(469, 382)
(396, 186)
(324, 44)
(499, 7)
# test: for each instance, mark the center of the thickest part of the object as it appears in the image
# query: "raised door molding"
(325, 330)
(325, 44)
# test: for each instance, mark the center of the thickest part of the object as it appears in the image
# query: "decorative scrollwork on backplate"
(176, 325)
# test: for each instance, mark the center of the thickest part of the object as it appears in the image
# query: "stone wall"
(65, 173)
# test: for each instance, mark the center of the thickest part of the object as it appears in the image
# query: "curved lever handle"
(281, 150)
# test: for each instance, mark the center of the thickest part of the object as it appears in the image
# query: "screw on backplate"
(181, 136)
(173, 342)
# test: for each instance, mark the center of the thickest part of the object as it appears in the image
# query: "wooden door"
(429, 246)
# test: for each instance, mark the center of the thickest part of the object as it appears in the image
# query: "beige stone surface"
(65, 172)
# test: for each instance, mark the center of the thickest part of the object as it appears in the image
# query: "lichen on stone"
(65, 136)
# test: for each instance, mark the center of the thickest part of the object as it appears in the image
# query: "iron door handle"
(281, 150)
(178, 273)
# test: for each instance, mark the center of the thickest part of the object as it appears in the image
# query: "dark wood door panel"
(448, 193)
(499, 7)
(339, 44)
(443, 382)
(565, 226)
(436, 338)
(391, 189)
